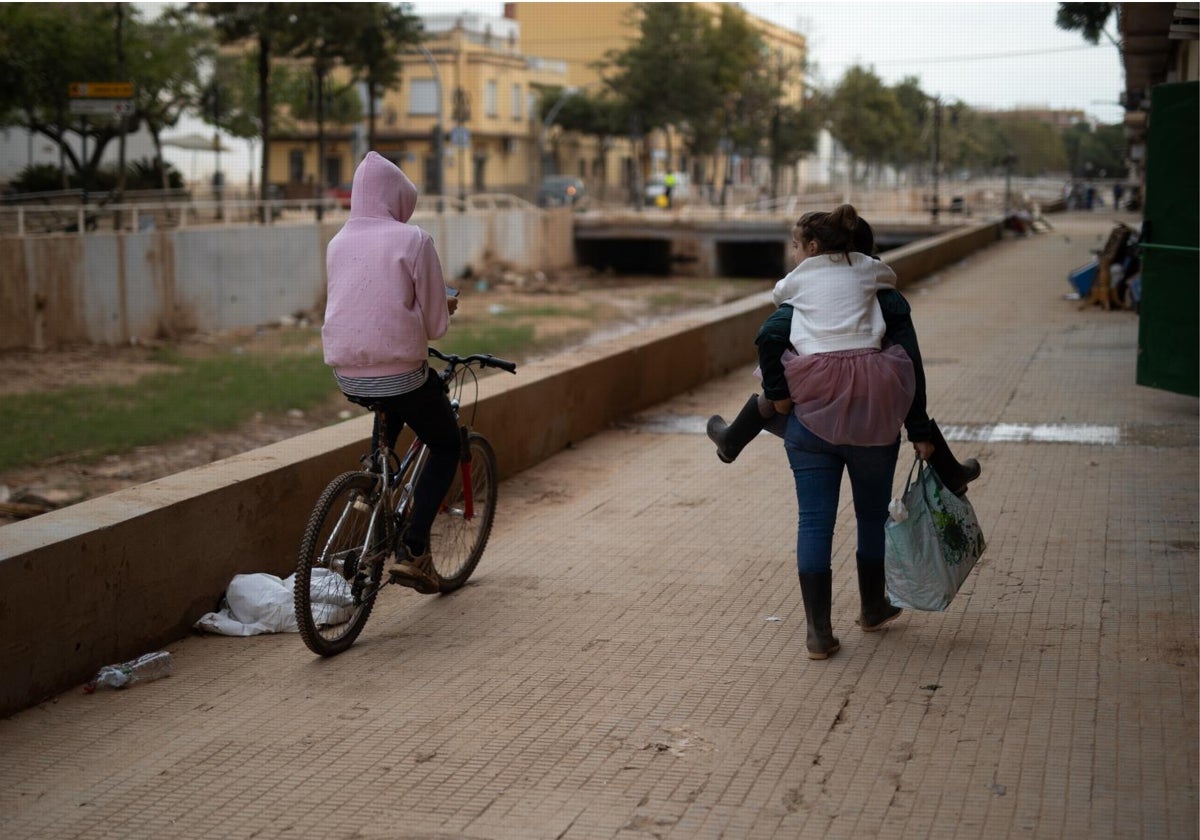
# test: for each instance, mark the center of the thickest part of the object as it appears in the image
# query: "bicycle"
(357, 520)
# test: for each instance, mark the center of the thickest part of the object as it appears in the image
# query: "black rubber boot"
(732, 438)
(877, 610)
(817, 591)
(954, 475)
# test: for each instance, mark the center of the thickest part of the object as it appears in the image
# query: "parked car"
(341, 195)
(561, 191)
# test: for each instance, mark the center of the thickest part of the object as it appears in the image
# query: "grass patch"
(209, 388)
(504, 340)
(518, 312)
(200, 395)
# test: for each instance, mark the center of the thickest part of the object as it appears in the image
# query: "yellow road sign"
(100, 90)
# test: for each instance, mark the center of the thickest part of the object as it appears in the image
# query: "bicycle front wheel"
(461, 529)
(338, 574)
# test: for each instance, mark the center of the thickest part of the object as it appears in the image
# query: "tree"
(264, 23)
(744, 90)
(318, 33)
(1090, 153)
(793, 134)
(1037, 145)
(46, 47)
(912, 143)
(664, 77)
(165, 57)
(380, 32)
(43, 49)
(749, 92)
(864, 116)
(1088, 19)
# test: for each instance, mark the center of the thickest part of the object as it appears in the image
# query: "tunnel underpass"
(756, 260)
(723, 253)
(625, 256)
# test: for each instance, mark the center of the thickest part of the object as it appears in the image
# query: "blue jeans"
(817, 467)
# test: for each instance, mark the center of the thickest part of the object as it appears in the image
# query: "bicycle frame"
(417, 454)
(360, 514)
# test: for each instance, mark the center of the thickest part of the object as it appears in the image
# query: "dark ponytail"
(833, 232)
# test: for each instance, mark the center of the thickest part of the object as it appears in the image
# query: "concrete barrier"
(114, 577)
(117, 287)
(924, 257)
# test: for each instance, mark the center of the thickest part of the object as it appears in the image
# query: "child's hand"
(924, 450)
(452, 304)
(782, 406)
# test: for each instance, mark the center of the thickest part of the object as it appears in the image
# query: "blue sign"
(460, 135)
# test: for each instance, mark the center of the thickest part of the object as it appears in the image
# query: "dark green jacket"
(775, 336)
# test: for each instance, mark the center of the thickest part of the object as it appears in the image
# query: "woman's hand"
(924, 450)
(451, 304)
(782, 406)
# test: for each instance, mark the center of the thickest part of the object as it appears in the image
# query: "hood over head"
(382, 190)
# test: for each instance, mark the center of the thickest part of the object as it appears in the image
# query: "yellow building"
(482, 77)
(582, 34)
(470, 75)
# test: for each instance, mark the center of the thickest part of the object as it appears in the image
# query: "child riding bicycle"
(386, 300)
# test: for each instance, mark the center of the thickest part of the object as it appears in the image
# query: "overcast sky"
(998, 54)
(987, 54)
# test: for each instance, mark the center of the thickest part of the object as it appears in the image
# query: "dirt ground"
(566, 310)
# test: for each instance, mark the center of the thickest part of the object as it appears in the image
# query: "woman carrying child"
(844, 391)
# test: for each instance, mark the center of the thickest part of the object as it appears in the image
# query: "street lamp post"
(437, 128)
(1009, 161)
(462, 115)
(544, 158)
(937, 156)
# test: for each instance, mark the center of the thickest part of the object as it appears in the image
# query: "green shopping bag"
(930, 553)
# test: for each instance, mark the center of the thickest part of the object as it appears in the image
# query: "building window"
(516, 100)
(489, 99)
(422, 97)
(532, 101)
(296, 166)
(333, 171)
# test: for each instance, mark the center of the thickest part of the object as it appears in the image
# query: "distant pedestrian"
(1118, 191)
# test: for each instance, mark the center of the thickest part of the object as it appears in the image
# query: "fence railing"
(66, 212)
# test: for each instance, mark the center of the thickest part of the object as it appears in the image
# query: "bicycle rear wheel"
(457, 540)
(338, 575)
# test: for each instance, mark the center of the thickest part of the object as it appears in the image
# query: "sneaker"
(415, 572)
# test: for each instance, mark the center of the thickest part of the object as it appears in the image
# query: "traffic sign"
(460, 135)
(100, 90)
(108, 107)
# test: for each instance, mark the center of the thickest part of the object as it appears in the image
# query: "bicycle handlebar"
(482, 359)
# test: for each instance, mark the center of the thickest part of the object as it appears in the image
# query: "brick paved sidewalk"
(629, 660)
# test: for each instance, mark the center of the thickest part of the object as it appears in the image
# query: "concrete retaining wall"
(924, 257)
(112, 288)
(114, 577)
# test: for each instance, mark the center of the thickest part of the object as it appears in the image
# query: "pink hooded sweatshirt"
(386, 295)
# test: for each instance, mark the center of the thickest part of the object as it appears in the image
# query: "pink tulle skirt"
(854, 397)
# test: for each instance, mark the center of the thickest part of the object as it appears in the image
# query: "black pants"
(428, 413)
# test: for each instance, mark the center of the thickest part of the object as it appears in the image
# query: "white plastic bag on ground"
(263, 603)
(253, 604)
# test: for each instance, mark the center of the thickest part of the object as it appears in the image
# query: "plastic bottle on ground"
(150, 666)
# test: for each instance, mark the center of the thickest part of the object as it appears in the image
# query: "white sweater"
(833, 304)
